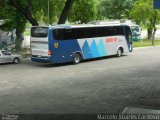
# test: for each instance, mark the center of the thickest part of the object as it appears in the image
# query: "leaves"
(143, 12)
(83, 11)
(116, 9)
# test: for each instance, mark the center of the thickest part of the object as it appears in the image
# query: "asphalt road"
(98, 86)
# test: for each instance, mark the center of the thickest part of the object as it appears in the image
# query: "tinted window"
(39, 31)
(92, 32)
(120, 30)
(105, 31)
(58, 34)
(102, 31)
(68, 34)
(63, 34)
(87, 32)
(80, 33)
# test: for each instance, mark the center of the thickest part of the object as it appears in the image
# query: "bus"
(136, 32)
(61, 44)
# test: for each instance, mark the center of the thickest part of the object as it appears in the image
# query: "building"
(7, 38)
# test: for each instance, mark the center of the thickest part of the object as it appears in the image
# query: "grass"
(145, 43)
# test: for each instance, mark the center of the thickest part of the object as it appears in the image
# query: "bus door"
(64, 44)
(128, 36)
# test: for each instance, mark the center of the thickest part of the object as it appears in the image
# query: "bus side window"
(91, 32)
(80, 33)
(120, 30)
(112, 31)
(58, 34)
(116, 30)
(68, 34)
(102, 31)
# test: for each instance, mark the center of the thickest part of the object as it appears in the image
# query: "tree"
(65, 12)
(52, 16)
(115, 9)
(16, 13)
(83, 11)
(29, 7)
(12, 20)
(144, 14)
(25, 7)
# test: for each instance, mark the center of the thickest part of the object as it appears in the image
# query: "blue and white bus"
(59, 44)
(136, 32)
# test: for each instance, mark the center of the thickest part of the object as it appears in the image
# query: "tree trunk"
(25, 11)
(19, 35)
(65, 12)
(154, 26)
(19, 40)
(153, 37)
(149, 30)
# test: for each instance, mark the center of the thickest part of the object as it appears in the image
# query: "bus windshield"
(39, 32)
(135, 28)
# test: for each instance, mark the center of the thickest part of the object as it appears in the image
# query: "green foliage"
(145, 15)
(13, 19)
(55, 9)
(37, 8)
(115, 9)
(83, 11)
(143, 11)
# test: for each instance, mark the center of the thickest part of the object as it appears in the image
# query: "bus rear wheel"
(119, 52)
(77, 58)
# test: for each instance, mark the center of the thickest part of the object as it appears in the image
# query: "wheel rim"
(16, 61)
(119, 52)
(77, 59)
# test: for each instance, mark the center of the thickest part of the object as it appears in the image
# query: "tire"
(16, 60)
(119, 52)
(77, 58)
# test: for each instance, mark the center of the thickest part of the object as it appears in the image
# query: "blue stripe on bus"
(102, 48)
(94, 50)
(86, 50)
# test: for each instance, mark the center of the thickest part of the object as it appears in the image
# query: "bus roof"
(80, 26)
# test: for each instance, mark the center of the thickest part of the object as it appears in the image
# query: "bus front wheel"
(77, 58)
